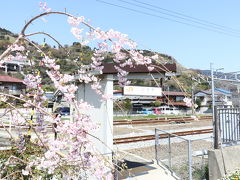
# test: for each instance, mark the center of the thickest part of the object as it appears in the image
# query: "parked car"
(63, 111)
(147, 111)
(156, 110)
(168, 110)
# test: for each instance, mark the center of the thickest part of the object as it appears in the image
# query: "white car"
(168, 110)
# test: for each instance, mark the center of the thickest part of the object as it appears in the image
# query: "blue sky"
(192, 47)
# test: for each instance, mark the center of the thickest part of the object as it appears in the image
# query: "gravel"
(145, 151)
(143, 144)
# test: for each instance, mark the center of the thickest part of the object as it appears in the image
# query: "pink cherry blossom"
(25, 172)
(77, 32)
(106, 97)
(73, 21)
(43, 7)
(155, 57)
(32, 81)
(150, 68)
(16, 47)
(188, 102)
(84, 105)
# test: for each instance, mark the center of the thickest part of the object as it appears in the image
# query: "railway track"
(152, 137)
(159, 120)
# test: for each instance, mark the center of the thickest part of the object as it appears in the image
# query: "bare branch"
(54, 39)
(47, 13)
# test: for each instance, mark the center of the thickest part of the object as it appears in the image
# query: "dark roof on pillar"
(109, 68)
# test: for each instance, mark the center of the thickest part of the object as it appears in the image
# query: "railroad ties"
(161, 136)
(159, 120)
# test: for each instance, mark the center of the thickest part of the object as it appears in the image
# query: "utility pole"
(213, 105)
(214, 111)
(193, 101)
(168, 96)
(213, 95)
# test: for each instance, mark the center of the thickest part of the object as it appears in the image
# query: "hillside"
(72, 56)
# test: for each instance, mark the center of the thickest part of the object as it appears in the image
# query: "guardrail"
(179, 154)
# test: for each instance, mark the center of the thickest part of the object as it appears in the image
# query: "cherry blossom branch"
(12, 174)
(21, 99)
(4, 127)
(8, 50)
(54, 39)
(47, 13)
(22, 34)
(35, 45)
(29, 124)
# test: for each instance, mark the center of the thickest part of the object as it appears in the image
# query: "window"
(14, 87)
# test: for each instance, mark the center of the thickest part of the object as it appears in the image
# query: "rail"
(164, 135)
(170, 155)
(159, 120)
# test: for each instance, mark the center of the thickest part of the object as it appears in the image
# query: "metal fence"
(184, 156)
(227, 126)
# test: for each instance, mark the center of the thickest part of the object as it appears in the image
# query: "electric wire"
(173, 20)
(184, 18)
(189, 17)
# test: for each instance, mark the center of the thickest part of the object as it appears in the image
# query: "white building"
(15, 65)
(222, 98)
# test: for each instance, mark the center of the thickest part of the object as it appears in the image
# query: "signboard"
(142, 91)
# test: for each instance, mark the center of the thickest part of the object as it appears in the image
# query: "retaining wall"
(223, 161)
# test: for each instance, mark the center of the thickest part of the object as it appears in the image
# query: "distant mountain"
(235, 76)
(5, 32)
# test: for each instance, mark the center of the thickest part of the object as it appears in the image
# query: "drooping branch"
(8, 50)
(21, 99)
(54, 39)
(23, 35)
(47, 13)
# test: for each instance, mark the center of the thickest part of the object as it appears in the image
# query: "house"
(11, 85)
(170, 98)
(222, 98)
(173, 98)
(15, 65)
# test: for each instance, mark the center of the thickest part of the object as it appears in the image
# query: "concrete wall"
(101, 114)
(223, 161)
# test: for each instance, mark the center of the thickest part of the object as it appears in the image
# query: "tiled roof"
(110, 69)
(178, 103)
(217, 92)
(5, 78)
(223, 91)
(174, 93)
(166, 93)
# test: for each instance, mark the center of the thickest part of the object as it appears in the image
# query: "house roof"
(174, 93)
(5, 78)
(217, 91)
(223, 91)
(117, 91)
(178, 104)
(110, 69)
(166, 93)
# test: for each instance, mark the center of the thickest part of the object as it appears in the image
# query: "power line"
(185, 18)
(190, 17)
(169, 19)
